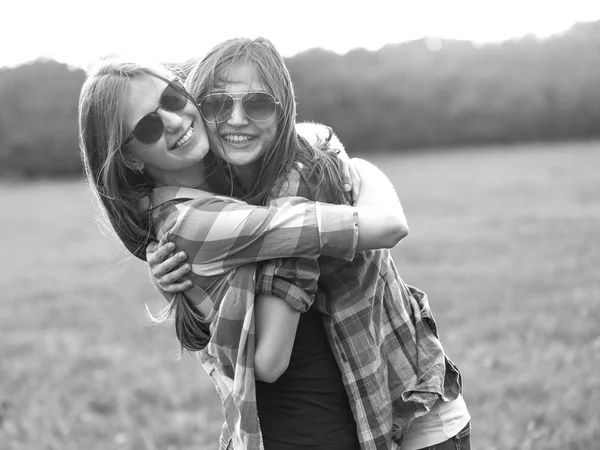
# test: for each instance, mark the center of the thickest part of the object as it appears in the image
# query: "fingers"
(356, 182)
(177, 287)
(150, 249)
(329, 133)
(346, 176)
(156, 254)
(165, 268)
(175, 281)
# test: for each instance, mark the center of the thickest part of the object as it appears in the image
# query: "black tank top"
(307, 407)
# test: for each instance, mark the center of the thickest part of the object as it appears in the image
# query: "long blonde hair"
(120, 189)
(288, 147)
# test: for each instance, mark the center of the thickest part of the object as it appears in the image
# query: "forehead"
(145, 89)
(239, 77)
(143, 97)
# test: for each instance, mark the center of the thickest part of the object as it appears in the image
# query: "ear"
(134, 164)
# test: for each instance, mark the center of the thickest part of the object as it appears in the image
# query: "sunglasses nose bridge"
(237, 113)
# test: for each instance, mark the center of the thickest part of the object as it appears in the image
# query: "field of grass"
(506, 242)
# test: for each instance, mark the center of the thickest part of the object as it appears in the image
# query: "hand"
(354, 175)
(350, 176)
(338, 149)
(167, 270)
(323, 138)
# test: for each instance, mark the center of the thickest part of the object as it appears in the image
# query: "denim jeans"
(462, 441)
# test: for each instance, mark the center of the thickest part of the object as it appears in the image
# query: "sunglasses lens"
(216, 107)
(173, 99)
(259, 106)
(149, 129)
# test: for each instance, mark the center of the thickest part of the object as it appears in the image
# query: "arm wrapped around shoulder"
(381, 217)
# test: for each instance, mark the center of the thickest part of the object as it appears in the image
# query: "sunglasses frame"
(177, 86)
(241, 100)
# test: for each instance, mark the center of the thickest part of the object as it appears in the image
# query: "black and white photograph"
(313, 225)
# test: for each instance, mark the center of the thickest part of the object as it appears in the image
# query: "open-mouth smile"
(185, 138)
(238, 138)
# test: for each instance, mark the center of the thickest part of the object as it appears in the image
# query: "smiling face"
(183, 143)
(239, 139)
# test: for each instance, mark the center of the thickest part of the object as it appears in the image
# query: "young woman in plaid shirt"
(143, 144)
(402, 387)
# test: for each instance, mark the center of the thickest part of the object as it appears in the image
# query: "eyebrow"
(221, 82)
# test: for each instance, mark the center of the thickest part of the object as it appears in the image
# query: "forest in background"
(424, 93)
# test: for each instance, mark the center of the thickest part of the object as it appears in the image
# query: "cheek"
(269, 131)
(148, 153)
(214, 140)
(213, 133)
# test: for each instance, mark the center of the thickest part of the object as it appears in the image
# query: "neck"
(248, 174)
(192, 177)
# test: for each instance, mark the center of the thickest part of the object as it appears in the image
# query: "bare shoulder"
(319, 135)
(313, 131)
(363, 164)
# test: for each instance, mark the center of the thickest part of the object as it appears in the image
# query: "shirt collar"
(164, 194)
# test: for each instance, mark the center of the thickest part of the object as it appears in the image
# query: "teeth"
(237, 138)
(186, 137)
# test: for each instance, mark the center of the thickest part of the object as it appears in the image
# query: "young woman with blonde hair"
(401, 387)
(143, 144)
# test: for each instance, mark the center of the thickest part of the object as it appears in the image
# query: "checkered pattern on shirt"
(223, 239)
(381, 331)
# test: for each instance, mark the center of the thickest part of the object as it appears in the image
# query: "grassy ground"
(505, 242)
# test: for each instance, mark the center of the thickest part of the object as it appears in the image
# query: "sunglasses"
(257, 106)
(150, 127)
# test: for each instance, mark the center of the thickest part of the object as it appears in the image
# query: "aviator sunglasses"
(257, 106)
(150, 127)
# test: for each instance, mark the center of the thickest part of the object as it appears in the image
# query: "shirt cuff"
(269, 283)
(297, 298)
(338, 226)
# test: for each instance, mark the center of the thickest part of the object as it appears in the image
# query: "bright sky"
(78, 32)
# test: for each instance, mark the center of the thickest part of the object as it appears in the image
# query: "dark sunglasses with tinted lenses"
(150, 127)
(257, 106)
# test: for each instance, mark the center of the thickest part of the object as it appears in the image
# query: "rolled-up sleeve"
(295, 280)
(220, 234)
(338, 240)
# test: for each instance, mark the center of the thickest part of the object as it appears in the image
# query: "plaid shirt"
(381, 331)
(224, 238)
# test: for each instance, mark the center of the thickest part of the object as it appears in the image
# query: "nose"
(238, 116)
(171, 120)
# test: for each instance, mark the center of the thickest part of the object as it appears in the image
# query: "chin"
(243, 162)
(200, 148)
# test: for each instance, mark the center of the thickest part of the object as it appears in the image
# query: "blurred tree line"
(428, 92)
